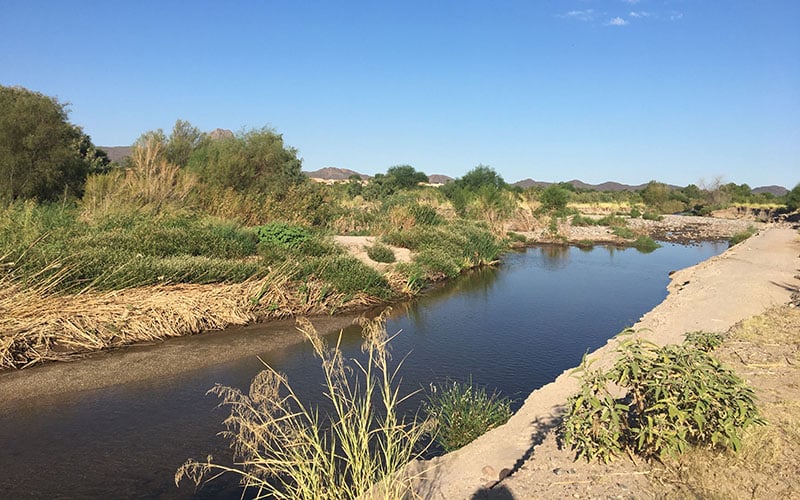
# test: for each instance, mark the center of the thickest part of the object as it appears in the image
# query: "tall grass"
(287, 449)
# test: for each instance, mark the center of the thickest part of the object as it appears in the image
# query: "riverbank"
(744, 281)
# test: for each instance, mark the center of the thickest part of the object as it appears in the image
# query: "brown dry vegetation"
(37, 325)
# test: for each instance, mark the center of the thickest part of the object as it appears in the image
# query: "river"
(512, 329)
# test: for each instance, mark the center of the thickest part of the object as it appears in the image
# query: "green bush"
(645, 244)
(676, 396)
(461, 412)
(741, 236)
(587, 244)
(583, 221)
(623, 232)
(350, 276)
(381, 253)
(635, 213)
(612, 221)
(282, 234)
(652, 216)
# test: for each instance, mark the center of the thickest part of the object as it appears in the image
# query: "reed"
(38, 324)
(287, 449)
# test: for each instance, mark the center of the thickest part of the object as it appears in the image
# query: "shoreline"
(743, 281)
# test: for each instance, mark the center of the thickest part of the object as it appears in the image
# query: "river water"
(511, 329)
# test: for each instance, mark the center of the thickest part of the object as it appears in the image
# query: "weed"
(652, 216)
(635, 213)
(677, 396)
(645, 244)
(286, 449)
(381, 253)
(585, 244)
(741, 236)
(623, 232)
(461, 412)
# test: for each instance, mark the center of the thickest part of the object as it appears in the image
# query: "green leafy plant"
(676, 396)
(623, 232)
(461, 412)
(635, 213)
(282, 234)
(381, 253)
(652, 216)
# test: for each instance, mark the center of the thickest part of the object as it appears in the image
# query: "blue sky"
(675, 90)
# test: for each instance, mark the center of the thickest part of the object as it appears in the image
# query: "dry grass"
(38, 325)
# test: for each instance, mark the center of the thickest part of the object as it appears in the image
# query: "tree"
(405, 177)
(554, 197)
(40, 151)
(479, 176)
(183, 141)
(256, 161)
(793, 199)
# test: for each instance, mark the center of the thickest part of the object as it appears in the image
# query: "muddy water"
(117, 425)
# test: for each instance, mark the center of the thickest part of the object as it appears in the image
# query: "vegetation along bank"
(195, 231)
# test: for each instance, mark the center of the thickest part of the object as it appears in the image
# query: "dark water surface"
(511, 329)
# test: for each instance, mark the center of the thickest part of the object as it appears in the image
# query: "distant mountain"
(775, 190)
(439, 179)
(334, 174)
(606, 186)
(116, 153)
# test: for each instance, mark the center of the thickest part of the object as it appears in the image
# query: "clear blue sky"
(674, 90)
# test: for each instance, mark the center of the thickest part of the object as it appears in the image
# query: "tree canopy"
(42, 155)
(256, 161)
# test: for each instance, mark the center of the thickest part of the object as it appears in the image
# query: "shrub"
(282, 234)
(623, 232)
(587, 244)
(635, 213)
(286, 449)
(461, 412)
(583, 221)
(677, 396)
(652, 216)
(645, 244)
(741, 236)
(351, 276)
(381, 253)
(612, 221)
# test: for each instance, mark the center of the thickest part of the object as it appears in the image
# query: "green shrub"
(635, 213)
(645, 244)
(425, 215)
(652, 216)
(461, 412)
(282, 234)
(381, 253)
(741, 236)
(588, 244)
(612, 221)
(583, 221)
(349, 275)
(516, 237)
(623, 232)
(677, 396)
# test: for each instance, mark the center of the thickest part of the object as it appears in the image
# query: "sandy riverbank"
(744, 281)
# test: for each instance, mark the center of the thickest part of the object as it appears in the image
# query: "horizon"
(623, 91)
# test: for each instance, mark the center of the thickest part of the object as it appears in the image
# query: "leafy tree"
(554, 197)
(40, 151)
(405, 177)
(183, 141)
(479, 176)
(793, 199)
(256, 161)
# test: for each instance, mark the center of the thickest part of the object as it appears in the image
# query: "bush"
(741, 236)
(635, 213)
(612, 221)
(351, 276)
(623, 232)
(462, 412)
(381, 253)
(645, 244)
(583, 221)
(652, 216)
(282, 234)
(677, 396)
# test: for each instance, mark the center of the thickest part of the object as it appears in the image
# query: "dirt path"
(713, 296)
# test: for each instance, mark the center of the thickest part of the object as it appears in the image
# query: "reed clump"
(286, 449)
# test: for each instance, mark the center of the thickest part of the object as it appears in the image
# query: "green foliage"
(42, 155)
(623, 232)
(381, 253)
(677, 396)
(612, 221)
(397, 178)
(705, 341)
(583, 221)
(184, 140)
(462, 412)
(652, 216)
(479, 177)
(516, 237)
(447, 250)
(635, 213)
(256, 161)
(586, 244)
(348, 275)
(741, 236)
(793, 199)
(554, 198)
(645, 244)
(282, 234)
